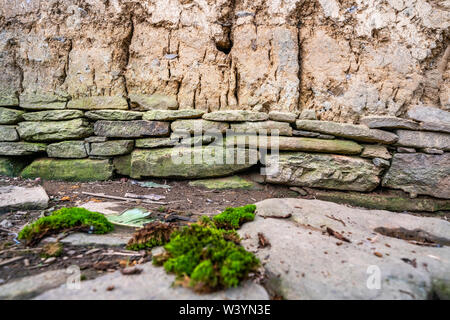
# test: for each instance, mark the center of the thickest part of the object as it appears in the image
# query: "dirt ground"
(181, 199)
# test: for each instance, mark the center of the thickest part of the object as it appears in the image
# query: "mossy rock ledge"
(69, 169)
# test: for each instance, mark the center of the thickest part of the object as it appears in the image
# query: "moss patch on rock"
(208, 258)
(233, 218)
(203, 259)
(65, 219)
(11, 167)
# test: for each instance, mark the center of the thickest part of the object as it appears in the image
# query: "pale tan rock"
(263, 127)
(375, 151)
(282, 116)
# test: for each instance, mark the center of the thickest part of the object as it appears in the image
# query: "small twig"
(122, 254)
(12, 260)
(102, 195)
(336, 219)
(337, 235)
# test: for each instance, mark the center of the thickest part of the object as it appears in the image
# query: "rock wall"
(343, 59)
(390, 152)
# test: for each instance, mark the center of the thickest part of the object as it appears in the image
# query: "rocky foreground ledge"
(101, 139)
(312, 249)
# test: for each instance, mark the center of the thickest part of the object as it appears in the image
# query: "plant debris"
(130, 271)
(53, 249)
(416, 236)
(262, 241)
(337, 235)
(65, 219)
(152, 235)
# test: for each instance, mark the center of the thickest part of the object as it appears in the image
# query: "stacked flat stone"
(138, 137)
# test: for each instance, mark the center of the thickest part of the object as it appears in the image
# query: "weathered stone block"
(418, 173)
(323, 171)
(20, 198)
(54, 130)
(435, 126)
(154, 101)
(131, 129)
(12, 166)
(347, 130)
(375, 122)
(10, 116)
(236, 116)
(198, 125)
(8, 133)
(282, 116)
(156, 142)
(21, 148)
(111, 148)
(187, 163)
(53, 115)
(67, 149)
(423, 139)
(391, 202)
(375, 151)
(122, 165)
(168, 115)
(114, 115)
(428, 114)
(269, 127)
(43, 101)
(296, 144)
(69, 169)
(99, 102)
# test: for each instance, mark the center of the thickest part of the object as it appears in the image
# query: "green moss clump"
(203, 255)
(65, 219)
(233, 218)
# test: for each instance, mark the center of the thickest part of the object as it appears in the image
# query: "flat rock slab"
(106, 208)
(263, 127)
(131, 129)
(29, 287)
(8, 133)
(20, 198)
(152, 284)
(234, 182)
(53, 115)
(429, 114)
(115, 238)
(113, 115)
(375, 122)
(423, 139)
(95, 103)
(10, 116)
(322, 171)
(167, 115)
(69, 169)
(347, 130)
(295, 144)
(54, 130)
(236, 115)
(399, 201)
(305, 262)
(198, 126)
(67, 149)
(21, 148)
(186, 162)
(419, 173)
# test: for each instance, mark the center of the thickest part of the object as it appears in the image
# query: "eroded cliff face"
(344, 59)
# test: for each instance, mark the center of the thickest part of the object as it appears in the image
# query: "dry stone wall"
(358, 90)
(71, 144)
